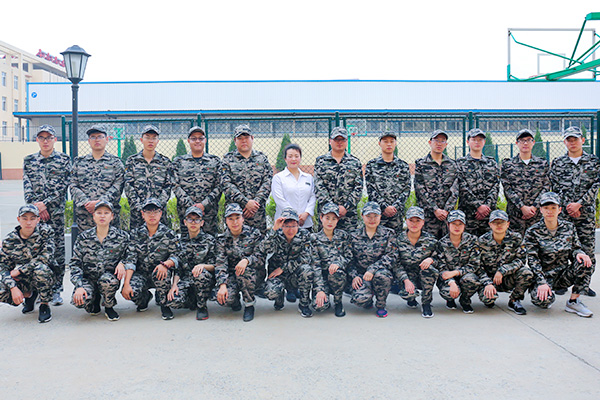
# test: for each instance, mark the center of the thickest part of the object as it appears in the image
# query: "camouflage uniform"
(523, 185)
(335, 251)
(93, 265)
(509, 259)
(552, 260)
(478, 184)
(230, 251)
(46, 179)
(578, 183)
(377, 255)
(341, 184)
(145, 253)
(194, 291)
(198, 180)
(388, 184)
(144, 180)
(92, 179)
(407, 267)
(31, 256)
(465, 260)
(295, 259)
(436, 186)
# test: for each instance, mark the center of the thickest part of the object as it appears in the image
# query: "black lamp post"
(75, 62)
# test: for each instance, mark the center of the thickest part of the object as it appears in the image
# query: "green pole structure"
(337, 119)
(597, 133)
(548, 151)
(199, 123)
(119, 134)
(206, 134)
(63, 124)
(592, 149)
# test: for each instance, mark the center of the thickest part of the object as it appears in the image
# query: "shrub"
(538, 148)
(232, 145)
(280, 164)
(489, 148)
(180, 150)
(129, 149)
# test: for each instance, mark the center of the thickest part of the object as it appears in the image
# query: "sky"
(283, 40)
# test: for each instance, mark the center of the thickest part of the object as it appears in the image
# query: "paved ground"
(494, 353)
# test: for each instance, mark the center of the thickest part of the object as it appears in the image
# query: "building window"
(4, 79)
(3, 103)
(17, 130)
(4, 128)
(16, 108)
(16, 85)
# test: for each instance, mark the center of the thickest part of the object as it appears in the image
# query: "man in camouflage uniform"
(502, 264)
(575, 177)
(246, 179)
(147, 175)
(332, 252)
(388, 182)
(375, 254)
(524, 178)
(557, 259)
(478, 184)
(415, 268)
(195, 277)
(291, 265)
(234, 274)
(197, 181)
(436, 185)
(45, 183)
(98, 176)
(338, 179)
(98, 263)
(24, 258)
(154, 255)
(458, 262)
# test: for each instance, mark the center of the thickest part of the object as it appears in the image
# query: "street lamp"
(75, 62)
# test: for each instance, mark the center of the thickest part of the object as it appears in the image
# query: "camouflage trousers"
(379, 287)
(193, 291)
(424, 280)
(40, 280)
(395, 223)
(105, 286)
(475, 226)
(259, 220)
(518, 224)
(576, 275)
(586, 232)
(85, 220)
(347, 223)
(301, 278)
(516, 283)
(244, 284)
(142, 282)
(434, 226)
(336, 283)
(468, 285)
(57, 263)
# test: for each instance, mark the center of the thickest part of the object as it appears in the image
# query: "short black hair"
(292, 146)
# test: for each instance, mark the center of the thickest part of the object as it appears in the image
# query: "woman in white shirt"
(294, 188)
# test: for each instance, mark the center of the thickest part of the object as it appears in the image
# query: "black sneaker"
(467, 309)
(426, 311)
(237, 305)
(202, 314)
(166, 312)
(279, 304)
(29, 303)
(395, 289)
(305, 311)
(412, 303)
(560, 292)
(591, 293)
(339, 309)
(451, 305)
(260, 292)
(290, 296)
(517, 307)
(111, 314)
(248, 313)
(96, 306)
(144, 306)
(45, 314)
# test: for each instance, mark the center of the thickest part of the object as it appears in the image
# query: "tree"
(280, 164)
(129, 149)
(232, 145)
(489, 149)
(538, 147)
(180, 150)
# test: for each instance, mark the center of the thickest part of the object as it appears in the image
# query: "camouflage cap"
(475, 132)
(415, 211)
(498, 214)
(96, 129)
(437, 133)
(330, 208)
(549, 198)
(233, 208)
(572, 131)
(289, 213)
(457, 215)
(371, 207)
(388, 134)
(46, 128)
(338, 131)
(29, 208)
(194, 210)
(242, 130)
(524, 132)
(195, 129)
(152, 203)
(150, 129)
(104, 203)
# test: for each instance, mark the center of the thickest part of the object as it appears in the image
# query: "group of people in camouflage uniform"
(454, 239)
